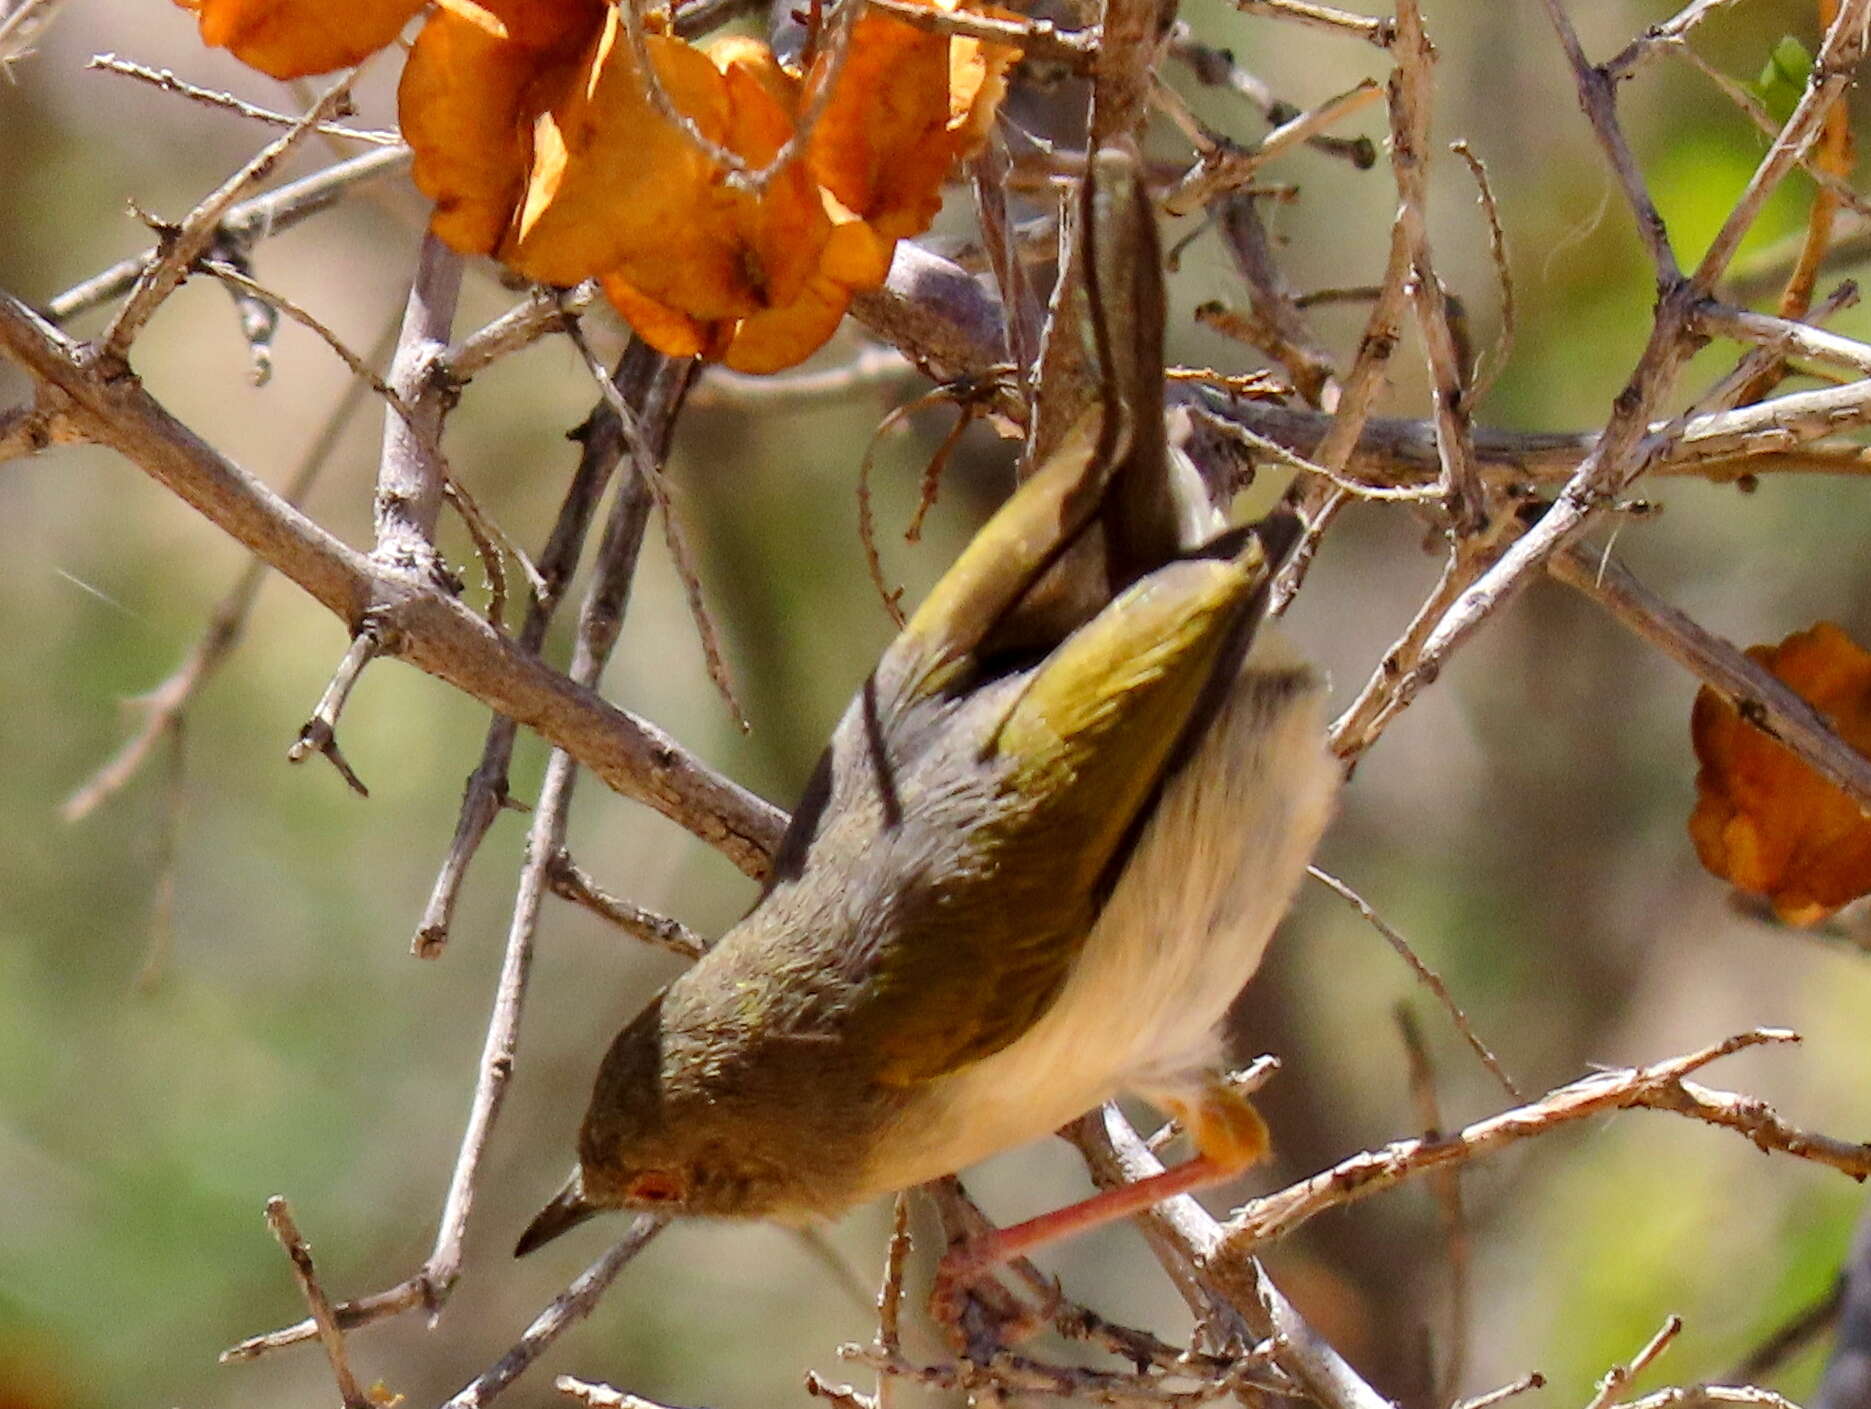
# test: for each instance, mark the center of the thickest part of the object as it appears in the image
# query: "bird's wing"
(1076, 760)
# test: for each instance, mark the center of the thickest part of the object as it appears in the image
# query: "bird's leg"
(1229, 1136)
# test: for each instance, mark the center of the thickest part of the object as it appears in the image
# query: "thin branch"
(181, 246)
(544, 311)
(410, 473)
(1038, 39)
(166, 703)
(424, 626)
(271, 214)
(600, 620)
(279, 1219)
(168, 82)
(319, 734)
(1229, 169)
(1529, 1381)
(565, 1311)
(1503, 270)
(1662, 37)
(1427, 976)
(1598, 99)
(1217, 68)
(1760, 699)
(1465, 500)
(602, 1396)
(1833, 72)
(1371, 31)
(568, 882)
(1657, 1087)
(1447, 1190)
(1709, 1396)
(1619, 1377)
(1784, 336)
(486, 791)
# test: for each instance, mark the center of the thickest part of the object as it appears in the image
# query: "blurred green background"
(1523, 822)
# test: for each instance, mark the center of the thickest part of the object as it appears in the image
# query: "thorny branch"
(1662, 1086)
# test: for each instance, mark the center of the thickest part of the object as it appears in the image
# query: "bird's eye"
(655, 1186)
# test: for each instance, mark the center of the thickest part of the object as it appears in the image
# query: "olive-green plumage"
(978, 924)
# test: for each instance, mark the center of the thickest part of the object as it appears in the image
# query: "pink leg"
(963, 1264)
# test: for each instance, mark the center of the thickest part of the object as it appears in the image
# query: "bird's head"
(666, 1133)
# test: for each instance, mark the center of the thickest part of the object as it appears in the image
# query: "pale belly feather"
(1182, 932)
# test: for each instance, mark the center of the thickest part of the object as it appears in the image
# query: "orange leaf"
(1766, 822)
(616, 186)
(670, 331)
(477, 77)
(903, 109)
(777, 338)
(292, 38)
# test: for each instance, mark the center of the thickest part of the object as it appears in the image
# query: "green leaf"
(1783, 77)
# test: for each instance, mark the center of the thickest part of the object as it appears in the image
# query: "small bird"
(1043, 851)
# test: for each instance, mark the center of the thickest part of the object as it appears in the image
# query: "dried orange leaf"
(464, 109)
(292, 38)
(670, 331)
(782, 231)
(616, 186)
(1766, 822)
(778, 338)
(905, 106)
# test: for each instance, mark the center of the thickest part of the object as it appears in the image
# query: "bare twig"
(565, 1311)
(601, 1396)
(424, 626)
(1429, 978)
(165, 704)
(568, 882)
(166, 80)
(1706, 1396)
(1530, 1381)
(1761, 699)
(1660, 38)
(319, 734)
(1597, 92)
(1037, 39)
(486, 792)
(410, 473)
(279, 1219)
(1229, 169)
(542, 312)
(180, 247)
(1372, 31)
(649, 466)
(1657, 1087)
(1446, 1186)
(1217, 68)
(1618, 1378)
(1503, 270)
(270, 214)
(1844, 48)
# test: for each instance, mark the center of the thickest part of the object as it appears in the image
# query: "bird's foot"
(1223, 1125)
(980, 1315)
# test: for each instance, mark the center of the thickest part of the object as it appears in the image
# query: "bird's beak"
(568, 1209)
